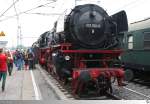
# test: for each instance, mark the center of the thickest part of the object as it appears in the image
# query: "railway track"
(130, 92)
(142, 82)
(67, 93)
(134, 92)
(108, 96)
(138, 93)
(142, 86)
(66, 89)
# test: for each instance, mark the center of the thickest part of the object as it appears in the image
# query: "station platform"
(26, 85)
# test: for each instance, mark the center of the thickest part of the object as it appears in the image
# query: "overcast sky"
(34, 24)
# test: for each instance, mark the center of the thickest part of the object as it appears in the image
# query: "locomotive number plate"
(89, 25)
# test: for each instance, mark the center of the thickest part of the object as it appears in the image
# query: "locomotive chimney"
(92, 14)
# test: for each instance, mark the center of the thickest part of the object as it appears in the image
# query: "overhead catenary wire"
(45, 14)
(137, 4)
(14, 2)
(15, 8)
(64, 12)
(30, 37)
(127, 5)
(9, 17)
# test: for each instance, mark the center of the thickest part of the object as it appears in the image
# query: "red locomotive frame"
(78, 61)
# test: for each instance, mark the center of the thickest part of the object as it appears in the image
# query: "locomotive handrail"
(94, 51)
(44, 48)
(102, 69)
(99, 60)
(54, 46)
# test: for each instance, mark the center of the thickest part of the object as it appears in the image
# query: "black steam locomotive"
(86, 49)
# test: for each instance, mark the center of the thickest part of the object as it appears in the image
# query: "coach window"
(146, 40)
(130, 42)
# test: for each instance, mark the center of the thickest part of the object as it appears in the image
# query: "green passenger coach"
(136, 58)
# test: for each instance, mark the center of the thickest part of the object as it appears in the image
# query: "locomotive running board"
(102, 69)
(93, 51)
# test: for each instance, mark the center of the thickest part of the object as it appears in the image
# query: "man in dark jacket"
(31, 58)
(19, 57)
(3, 68)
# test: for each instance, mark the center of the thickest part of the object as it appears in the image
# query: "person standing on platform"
(26, 61)
(3, 68)
(19, 60)
(15, 58)
(9, 62)
(30, 58)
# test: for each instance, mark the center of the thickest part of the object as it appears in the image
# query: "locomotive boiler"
(89, 26)
(83, 49)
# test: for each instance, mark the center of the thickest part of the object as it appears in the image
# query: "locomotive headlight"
(93, 31)
(67, 58)
(53, 54)
(119, 57)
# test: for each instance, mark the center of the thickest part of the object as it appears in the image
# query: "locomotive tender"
(85, 52)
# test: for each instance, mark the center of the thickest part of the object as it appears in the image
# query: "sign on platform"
(3, 44)
(2, 33)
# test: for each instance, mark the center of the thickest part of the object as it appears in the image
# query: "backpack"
(19, 56)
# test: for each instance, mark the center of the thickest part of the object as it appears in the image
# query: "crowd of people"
(20, 58)
(24, 59)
